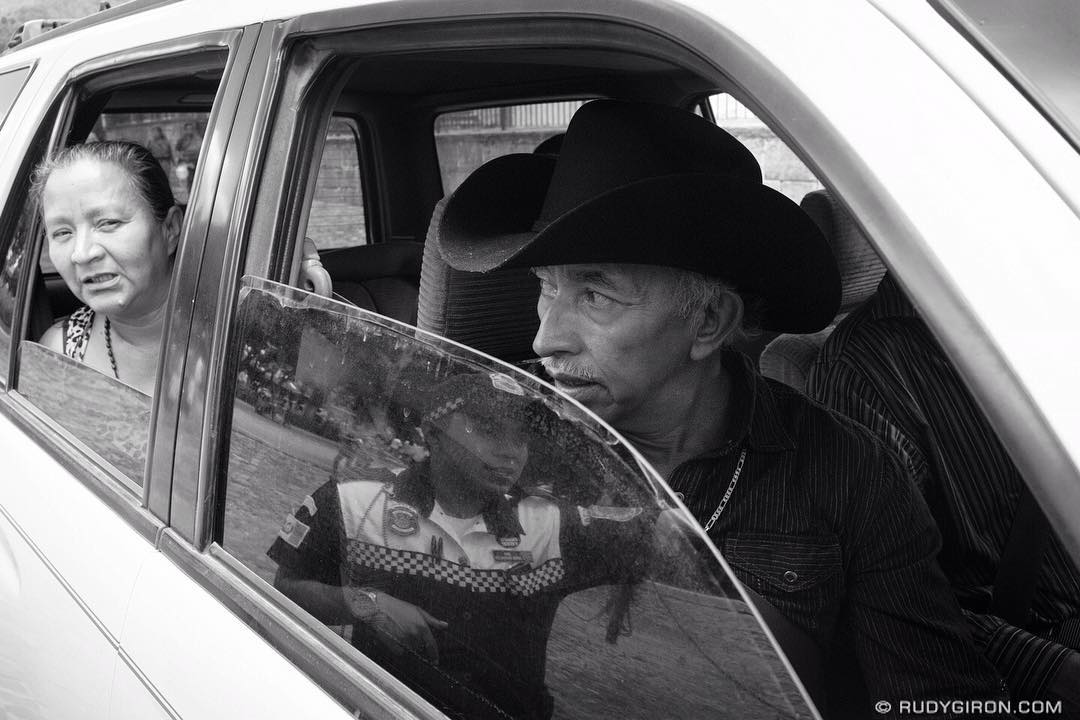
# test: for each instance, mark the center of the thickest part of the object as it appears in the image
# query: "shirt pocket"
(801, 575)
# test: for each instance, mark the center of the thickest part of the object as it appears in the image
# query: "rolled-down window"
(489, 542)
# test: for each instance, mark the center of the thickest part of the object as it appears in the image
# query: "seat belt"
(1021, 561)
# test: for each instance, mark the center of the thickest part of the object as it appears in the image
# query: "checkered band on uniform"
(447, 407)
(363, 557)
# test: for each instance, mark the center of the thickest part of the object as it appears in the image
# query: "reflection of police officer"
(454, 575)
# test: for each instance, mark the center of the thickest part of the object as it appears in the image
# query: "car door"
(77, 539)
(297, 389)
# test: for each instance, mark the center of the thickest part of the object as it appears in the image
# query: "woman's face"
(105, 241)
(490, 459)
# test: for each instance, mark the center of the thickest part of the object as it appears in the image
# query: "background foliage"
(14, 13)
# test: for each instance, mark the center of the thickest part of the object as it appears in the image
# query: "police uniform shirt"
(496, 579)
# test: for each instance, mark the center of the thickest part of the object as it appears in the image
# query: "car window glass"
(466, 139)
(11, 83)
(781, 169)
(337, 218)
(108, 412)
(382, 477)
(174, 138)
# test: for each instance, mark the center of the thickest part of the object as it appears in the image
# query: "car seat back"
(383, 277)
(493, 312)
(788, 357)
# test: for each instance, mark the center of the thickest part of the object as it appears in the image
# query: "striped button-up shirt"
(824, 523)
(883, 368)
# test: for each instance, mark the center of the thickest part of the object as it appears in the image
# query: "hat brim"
(745, 234)
(490, 216)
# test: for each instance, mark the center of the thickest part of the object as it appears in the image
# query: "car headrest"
(494, 312)
(860, 268)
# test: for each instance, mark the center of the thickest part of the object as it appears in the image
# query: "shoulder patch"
(293, 531)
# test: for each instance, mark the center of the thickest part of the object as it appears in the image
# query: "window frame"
(259, 224)
(523, 102)
(136, 505)
(364, 170)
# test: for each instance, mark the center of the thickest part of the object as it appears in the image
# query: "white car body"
(973, 198)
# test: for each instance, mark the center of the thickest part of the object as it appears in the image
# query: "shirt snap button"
(682, 498)
(791, 576)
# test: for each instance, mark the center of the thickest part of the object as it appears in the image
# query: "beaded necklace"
(108, 347)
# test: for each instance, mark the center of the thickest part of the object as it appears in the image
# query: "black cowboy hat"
(651, 185)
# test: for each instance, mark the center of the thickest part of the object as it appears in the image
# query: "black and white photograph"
(539, 359)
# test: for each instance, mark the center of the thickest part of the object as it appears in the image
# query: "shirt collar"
(756, 420)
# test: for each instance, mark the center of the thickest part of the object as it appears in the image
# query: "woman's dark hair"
(143, 170)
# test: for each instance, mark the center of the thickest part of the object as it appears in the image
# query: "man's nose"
(556, 334)
(85, 247)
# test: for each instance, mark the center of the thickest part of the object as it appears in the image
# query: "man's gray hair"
(692, 292)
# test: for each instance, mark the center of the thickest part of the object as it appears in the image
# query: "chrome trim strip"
(206, 272)
(59, 577)
(359, 684)
(146, 683)
(169, 393)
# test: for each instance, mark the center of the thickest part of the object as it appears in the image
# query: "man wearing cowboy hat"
(657, 247)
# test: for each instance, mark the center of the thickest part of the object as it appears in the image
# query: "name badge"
(512, 556)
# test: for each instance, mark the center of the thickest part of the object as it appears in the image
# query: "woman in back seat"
(112, 227)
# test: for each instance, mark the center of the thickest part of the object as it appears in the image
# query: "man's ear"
(174, 223)
(714, 324)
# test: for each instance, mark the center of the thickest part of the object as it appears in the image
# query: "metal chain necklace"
(727, 494)
(108, 347)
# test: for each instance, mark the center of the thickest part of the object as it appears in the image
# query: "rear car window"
(338, 218)
(174, 138)
(466, 139)
(782, 170)
(11, 84)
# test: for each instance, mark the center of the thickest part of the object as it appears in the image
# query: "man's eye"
(547, 288)
(597, 299)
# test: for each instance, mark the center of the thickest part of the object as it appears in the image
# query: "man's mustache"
(557, 366)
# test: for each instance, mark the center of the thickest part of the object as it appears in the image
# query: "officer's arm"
(326, 602)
